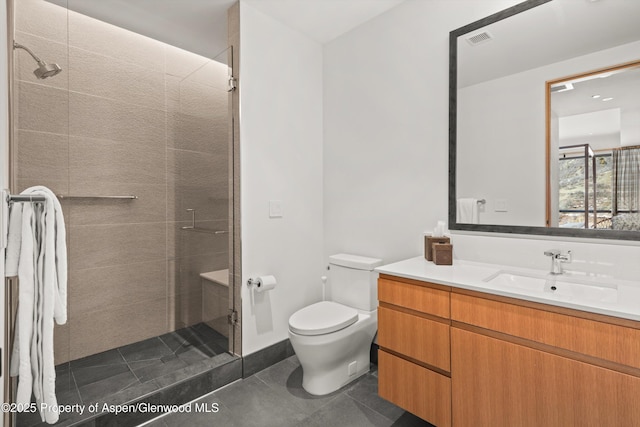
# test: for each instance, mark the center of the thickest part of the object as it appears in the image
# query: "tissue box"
(428, 245)
(443, 253)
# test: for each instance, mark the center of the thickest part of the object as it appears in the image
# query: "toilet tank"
(353, 282)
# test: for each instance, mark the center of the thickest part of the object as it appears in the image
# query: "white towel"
(467, 211)
(12, 254)
(42, 297)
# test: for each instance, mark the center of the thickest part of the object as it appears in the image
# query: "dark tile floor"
(275, 397)
(134, 370)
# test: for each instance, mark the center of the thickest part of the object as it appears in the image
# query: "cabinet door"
(498, 383)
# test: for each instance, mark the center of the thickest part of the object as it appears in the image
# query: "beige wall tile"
(103, 330)
(42, 108)
(58, 187)
(94, 246)
(186, 132)
(182, 63)
(108, 40)
(202, 101)
(93, 160)
(196, 169)
(213, 74)
(191, 307)
(150, 206)
(188, 269)
(49, 51)
(107, 288)
(215, 306)
(42, 19)
(106, 77)
(42, 157)
(233, 24)
(186, 308)
(61, 343)
(102, 118)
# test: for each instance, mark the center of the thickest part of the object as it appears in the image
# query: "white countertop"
(469, 275)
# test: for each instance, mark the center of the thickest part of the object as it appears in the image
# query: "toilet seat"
(322, 318)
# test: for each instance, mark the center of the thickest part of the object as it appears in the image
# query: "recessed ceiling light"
(595, 96)
(606, 99)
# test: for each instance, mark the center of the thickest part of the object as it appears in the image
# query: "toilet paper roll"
(265, 283)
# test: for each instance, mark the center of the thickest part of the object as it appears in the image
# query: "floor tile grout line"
(367, 406)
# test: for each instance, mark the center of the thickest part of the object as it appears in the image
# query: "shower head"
(44, 70)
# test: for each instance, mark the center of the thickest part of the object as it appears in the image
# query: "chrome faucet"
(557, 258)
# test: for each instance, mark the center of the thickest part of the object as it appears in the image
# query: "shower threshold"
(171, 369)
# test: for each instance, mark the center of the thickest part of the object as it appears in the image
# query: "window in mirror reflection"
(594, 125)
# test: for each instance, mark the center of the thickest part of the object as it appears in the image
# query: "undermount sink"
(563, 287)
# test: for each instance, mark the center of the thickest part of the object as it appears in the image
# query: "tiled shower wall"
(128, 115)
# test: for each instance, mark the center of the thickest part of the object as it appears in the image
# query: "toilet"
(332, 339)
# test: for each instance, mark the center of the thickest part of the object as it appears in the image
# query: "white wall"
(281, 159)
(386, 127)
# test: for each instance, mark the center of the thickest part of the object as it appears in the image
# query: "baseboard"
(262, 359)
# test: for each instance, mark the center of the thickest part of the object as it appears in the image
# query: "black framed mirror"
(503, 127)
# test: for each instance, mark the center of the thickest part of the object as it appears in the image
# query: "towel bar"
(21, 198)
(62, 196)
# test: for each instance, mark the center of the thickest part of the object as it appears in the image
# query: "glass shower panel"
(199, 196)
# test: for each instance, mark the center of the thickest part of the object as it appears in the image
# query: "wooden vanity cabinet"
(462, 358)
(498, 383)
(414, 338)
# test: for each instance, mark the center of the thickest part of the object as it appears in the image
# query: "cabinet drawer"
(416, 337)
(602, 340)
(415, 297)
(416, 389)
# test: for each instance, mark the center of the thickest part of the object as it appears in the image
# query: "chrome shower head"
(44, 70)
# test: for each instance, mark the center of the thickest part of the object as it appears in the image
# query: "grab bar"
(193, 227)
(128, 197)
(204, 230)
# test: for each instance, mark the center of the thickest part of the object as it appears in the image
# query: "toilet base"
(331, 361)
(326, 382)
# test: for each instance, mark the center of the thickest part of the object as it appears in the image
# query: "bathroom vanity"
(474, 344)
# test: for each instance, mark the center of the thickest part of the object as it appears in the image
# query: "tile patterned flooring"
(275, 397)
(134, 370)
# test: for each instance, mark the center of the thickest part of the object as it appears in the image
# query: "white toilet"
(332, 339)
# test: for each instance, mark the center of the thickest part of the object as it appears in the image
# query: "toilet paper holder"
(262, 283)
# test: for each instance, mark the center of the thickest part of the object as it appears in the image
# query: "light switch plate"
(501, 205)
(275, 209)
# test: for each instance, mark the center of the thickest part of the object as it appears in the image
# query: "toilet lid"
(322, 318)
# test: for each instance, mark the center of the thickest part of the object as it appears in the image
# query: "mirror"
(503, 164)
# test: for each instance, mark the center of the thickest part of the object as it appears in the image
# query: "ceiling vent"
(479, 38)
(562, 87)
